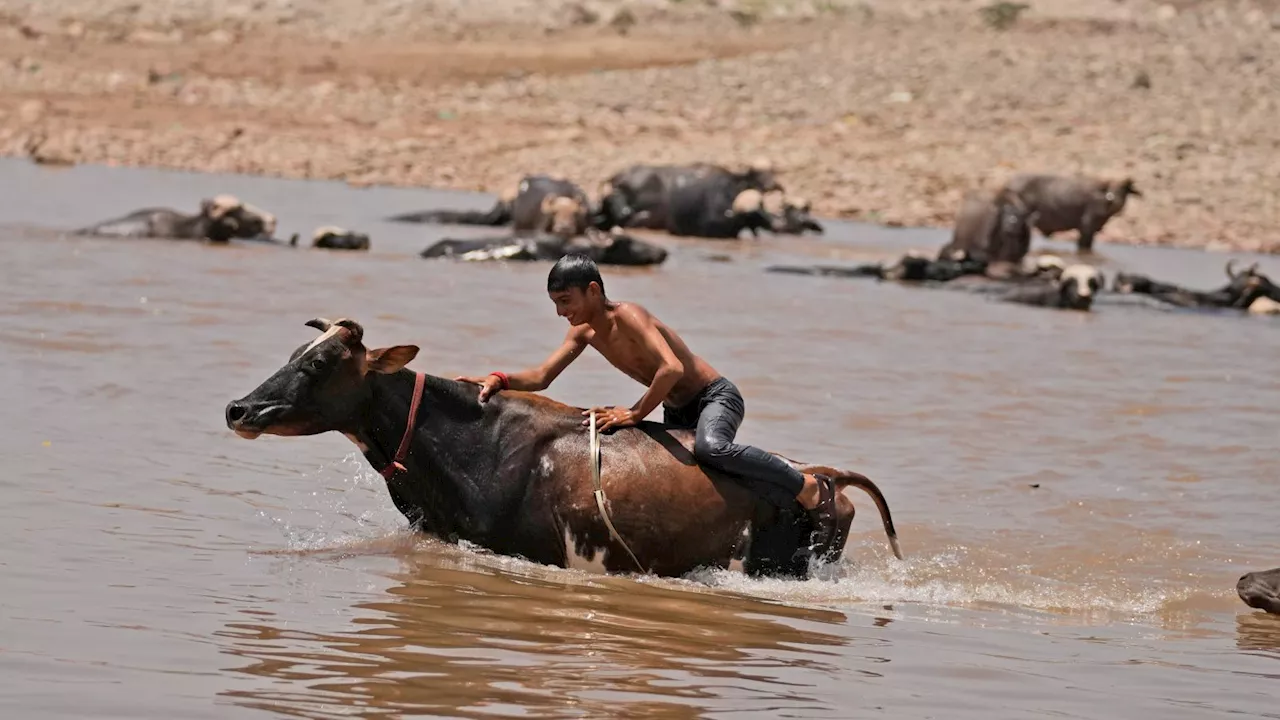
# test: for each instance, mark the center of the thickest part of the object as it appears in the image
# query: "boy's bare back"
(632, 340)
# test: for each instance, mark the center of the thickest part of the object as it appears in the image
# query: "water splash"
(347, 505)
(348, 514)
(952, 578)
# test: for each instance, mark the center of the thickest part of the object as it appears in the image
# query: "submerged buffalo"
(538, 204)
(514, 474)
(1041, 280)
(1261, 589)
(994, 228)
(1078, 203)
(220, 219)
(336, 238)
(614, 248)
(916, 268)
(910, 268)
(640, 196)
(1242, 291)
(1072, 289)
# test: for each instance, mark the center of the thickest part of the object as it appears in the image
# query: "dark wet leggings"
(716, 413)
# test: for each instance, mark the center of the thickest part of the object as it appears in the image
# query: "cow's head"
(248, 221)
(792, 215)
(1077, 285)
(1248, 285)
(565, 216)
(1043, 266)
(749, 211)
(1116, 192)
(336, 238)
(321, 388)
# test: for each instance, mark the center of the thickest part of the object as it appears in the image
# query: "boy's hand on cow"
(488, 385)
(611, 417)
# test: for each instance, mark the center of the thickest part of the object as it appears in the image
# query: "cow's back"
(663, 505)
(703, 207)
(1060, 201)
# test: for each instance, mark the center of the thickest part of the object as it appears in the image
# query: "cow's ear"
(392, 359)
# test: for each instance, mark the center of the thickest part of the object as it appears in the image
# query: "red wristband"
(506, 382)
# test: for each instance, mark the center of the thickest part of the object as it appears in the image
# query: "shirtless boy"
(692, 393)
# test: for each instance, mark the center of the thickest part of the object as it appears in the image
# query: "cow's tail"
(846, 479)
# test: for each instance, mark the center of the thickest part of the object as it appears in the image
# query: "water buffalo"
(220, 219)
(513, 474)
(614, 248)
(640, 196)
(1242, 290)
(1261, 589)
(709, 208)
(538, 204)
(791, 214)
(1073, 289)
(1077, 203)
(911, 267)
(914, 267)
(992, 227)
(336, 238)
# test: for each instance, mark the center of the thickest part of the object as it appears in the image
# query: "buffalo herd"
(545, 217)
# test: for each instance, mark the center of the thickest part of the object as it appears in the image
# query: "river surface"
(1076, 494)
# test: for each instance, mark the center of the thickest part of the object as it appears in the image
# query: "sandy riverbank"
(881, 111)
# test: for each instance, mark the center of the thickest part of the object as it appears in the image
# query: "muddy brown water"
(1076, 493)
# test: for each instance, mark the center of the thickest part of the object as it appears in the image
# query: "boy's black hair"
(574, 271)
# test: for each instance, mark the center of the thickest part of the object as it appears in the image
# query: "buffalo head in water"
(336, 238)
(791, 214)
(220, 219)
(564, 216)
(1073, 289)
(1248, 285)
(1244, 288)
(249, 221)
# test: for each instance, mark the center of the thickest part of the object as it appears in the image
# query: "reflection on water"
(1076, 494)
(453, 634)
(1259, 631)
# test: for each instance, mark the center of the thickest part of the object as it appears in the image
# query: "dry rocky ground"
(881, 110)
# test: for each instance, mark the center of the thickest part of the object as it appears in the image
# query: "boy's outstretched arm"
(536, 378)
(642, 327)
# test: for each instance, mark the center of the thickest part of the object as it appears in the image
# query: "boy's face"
(576, 304)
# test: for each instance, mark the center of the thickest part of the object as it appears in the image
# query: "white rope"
(599, 492)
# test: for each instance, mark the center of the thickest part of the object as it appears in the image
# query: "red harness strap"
(387, 472)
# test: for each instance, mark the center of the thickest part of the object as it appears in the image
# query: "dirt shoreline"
(878, 111)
